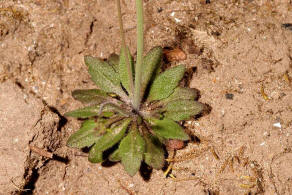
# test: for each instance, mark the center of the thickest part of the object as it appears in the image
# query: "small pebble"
(175, 54)
(197, 124)
(15, 140)
(177, 20)
(174, 144)
(278, 125)
(35, 89)
(229, 96)
(287, 26)
(159, 10)
(223, 112)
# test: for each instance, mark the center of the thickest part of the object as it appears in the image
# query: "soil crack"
(88, 35)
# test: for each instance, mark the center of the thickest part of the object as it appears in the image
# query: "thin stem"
(122, 34)
(140, 45)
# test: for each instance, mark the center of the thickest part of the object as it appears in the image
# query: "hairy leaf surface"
(131, 150)
(104, 75)
(86, 135)
(115, 156)
(95, 156)
(123, 68)
(168, 129)
(154, 155)
(183, 109)
(92, 96)
(165, 83)
(181, 93)
(91, 111)
(112, 137)
(151, 62)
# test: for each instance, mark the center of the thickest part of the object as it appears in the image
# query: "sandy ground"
(240, 54)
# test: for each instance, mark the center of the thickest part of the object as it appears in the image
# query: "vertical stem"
(140, 45)
(122, 34)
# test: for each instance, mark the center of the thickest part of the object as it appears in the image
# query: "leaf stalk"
(140, 46)
(122, 34)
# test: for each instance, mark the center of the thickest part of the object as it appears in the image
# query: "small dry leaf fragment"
(265, 96)
(287, 78)
(175, 54)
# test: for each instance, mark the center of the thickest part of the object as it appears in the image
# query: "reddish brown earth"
(242, 56)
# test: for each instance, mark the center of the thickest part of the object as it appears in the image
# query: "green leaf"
(104, 76)
(154, 155)
(181, 93)
(113, 60)
(92, 96)
(89, 132)
(151, 63)
(112, 137)
(165, 83)
(123, 68)
(91, 111)
(131, 150)
(168, 129)
(95, 156)
(115, 156)
(182, 109)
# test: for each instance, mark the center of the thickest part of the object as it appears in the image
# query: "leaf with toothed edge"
(104, 76)
(106, 109)
(168, 129)
(182, 109)
(92, 96)
(89, 132)
(165, 83)
(181, 93)
(112, 137)
(151, 62)
(154, 155)
(123, 68)
(91, 111)
(131, 150)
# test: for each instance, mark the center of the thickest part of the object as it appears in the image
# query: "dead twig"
(41, 152)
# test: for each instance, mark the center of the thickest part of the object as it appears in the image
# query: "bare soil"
(239, 56)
